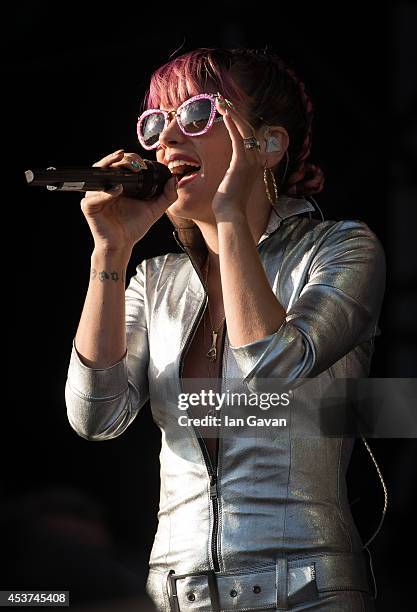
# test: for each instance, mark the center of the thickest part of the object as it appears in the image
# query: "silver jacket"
(267, 496)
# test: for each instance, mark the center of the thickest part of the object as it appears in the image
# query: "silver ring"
(251, 143)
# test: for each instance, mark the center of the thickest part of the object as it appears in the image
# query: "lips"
(183, 156)
(182, 165)
(186, 178)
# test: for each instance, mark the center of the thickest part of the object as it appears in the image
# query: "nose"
(172, 133)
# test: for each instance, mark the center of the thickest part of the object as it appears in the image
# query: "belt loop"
(171, 588)
(281, 579)
(214, 595)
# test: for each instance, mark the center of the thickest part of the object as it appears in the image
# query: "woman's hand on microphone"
(118, 222)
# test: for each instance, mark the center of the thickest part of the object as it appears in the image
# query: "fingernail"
(119, 151)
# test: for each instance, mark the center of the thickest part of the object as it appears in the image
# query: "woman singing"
(261, 290)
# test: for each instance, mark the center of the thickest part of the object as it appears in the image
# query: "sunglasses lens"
(151, 128)
(195, 116)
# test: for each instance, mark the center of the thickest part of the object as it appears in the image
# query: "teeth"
(181, 162)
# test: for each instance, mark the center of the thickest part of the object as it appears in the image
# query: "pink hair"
(189, 75)
(257, 81)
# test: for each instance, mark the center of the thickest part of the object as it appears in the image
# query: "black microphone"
(146, 184)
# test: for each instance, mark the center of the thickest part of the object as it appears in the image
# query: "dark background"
(79, 515)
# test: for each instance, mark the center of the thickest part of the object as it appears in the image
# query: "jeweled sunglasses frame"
(168, 118)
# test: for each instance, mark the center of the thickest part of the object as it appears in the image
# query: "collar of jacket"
(189, 237)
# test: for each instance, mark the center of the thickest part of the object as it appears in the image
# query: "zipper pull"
(213, 488)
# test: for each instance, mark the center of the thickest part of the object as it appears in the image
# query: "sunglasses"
(194, 117)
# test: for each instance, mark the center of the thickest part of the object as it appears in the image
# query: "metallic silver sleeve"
(337, 309)
(101, 403)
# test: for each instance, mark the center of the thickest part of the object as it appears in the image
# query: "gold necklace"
(212, 352)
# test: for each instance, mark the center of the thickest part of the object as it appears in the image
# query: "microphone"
(146, 184)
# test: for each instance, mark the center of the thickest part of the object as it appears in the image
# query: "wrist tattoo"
(103, 275)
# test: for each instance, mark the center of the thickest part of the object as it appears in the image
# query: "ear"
(274, 142)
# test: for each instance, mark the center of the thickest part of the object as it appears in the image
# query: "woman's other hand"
(245, 166)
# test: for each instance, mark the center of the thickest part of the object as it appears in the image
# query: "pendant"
(212, 353)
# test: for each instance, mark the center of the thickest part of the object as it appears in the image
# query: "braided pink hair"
(265, 86)
(306, 178)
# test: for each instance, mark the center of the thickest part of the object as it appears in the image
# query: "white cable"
(365, 546)
(385, 494)
(372, 571)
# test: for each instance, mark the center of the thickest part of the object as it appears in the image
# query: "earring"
(274, 201)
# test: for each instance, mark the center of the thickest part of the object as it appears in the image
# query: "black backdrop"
(73, 80)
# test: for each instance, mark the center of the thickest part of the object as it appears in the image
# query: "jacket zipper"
(207, 460)
(212, 473)
(214, 493)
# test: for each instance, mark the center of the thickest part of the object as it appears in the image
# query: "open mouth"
(185, 172)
